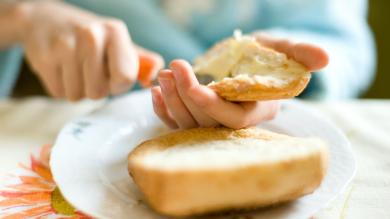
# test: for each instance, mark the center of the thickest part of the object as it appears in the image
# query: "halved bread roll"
(206, 170)
(244, 70)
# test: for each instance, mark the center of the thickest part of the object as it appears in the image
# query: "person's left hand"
(181, 102)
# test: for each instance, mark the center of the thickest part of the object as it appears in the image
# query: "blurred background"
(379, 19)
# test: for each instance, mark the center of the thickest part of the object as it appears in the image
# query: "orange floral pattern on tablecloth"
(32, 193)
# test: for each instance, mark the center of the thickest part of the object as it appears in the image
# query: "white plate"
(88, 161)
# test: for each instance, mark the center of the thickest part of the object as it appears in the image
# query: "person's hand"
(77, 54)
(312, 56)
(181, 102)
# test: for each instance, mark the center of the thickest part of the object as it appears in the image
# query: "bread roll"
(244, 70)
(207, 170)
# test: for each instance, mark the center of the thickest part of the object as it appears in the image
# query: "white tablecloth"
(25, 125)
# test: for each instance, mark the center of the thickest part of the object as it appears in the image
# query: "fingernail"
(166, 84)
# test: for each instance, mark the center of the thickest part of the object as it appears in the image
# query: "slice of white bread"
(207, 170)
(244, 70)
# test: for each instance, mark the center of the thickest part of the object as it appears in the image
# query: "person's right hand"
(77, 54)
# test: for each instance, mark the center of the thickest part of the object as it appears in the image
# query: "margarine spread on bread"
(254, 68)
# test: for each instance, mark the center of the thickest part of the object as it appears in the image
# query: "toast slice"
(244, 70)
(207, 170)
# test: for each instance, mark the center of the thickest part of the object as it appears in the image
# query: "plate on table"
(89, 159)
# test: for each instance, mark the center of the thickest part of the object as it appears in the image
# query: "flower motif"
(34, 194)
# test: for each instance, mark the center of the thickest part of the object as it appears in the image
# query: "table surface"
(26, 125)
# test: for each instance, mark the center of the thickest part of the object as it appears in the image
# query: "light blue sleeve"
(148, 26)
(10, 61)
(340, 27)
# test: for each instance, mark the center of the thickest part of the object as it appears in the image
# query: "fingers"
(185, 79)
(313, 57)
(109, 62)
(122, 57)
(72, 80)
(149, 65)
(91, 45)
(218, 108)
(230, 114)
(190, 105)
(261, 110)
(71, 71)
(310, 55)
(90, 57)
(161, 109)
(173, 101)
(48, 70)
(53, 81)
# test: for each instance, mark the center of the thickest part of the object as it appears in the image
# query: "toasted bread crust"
(181, 193)
(244, 90)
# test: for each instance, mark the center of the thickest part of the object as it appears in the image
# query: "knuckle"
(87, 29)
(87, 33)
(89, 36)
(64, 42)
(64, 47)
(114, 24)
